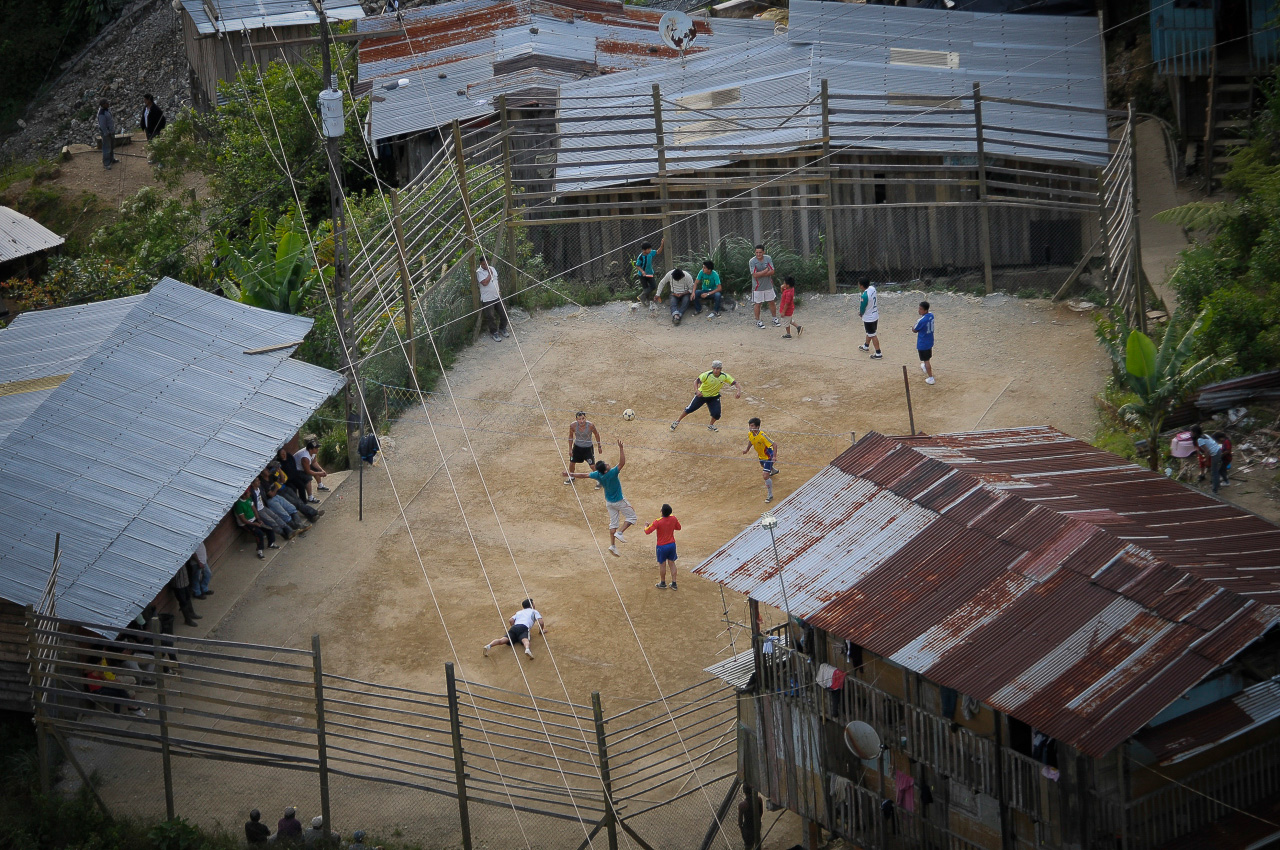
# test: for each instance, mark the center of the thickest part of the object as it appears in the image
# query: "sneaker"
(877, 356)
(319, 514)
(599, 486)
(712, 427)
(662, 585)
(923, 369)
(313, 501)
(190, 622)
(799, 331)
(653, 308)
(302, 530)
(528, 653)
(673, 586)
(930, 381)
(568, 481)
(496, 337)
(485, 650)
(711, 315)
(768, 498)
(1224, 483)
(208, 593)
(776, 322)
(137, 712)
(260, 557)
(506, 332)
(197, 596)
(617, 535)
(786, 336)
(324, 487)
(864, 348)
(675, 318)
(614, 550)
(273, 545)
(674, 425)
(759, 324)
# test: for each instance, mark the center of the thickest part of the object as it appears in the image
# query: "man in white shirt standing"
(521, 623)
(491, 306)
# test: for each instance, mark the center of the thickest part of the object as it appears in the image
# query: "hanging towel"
(905, 795)
(825, 673)
(837, 680)
(971, 708)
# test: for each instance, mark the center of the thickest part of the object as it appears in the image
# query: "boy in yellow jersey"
(766, 450)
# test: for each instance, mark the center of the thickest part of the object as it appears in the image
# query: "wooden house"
(1054, 648)
(222, 36)
(25, 246)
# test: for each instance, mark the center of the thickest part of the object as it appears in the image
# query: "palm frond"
(1199, 215)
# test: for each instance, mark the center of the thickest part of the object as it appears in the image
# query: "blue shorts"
(666, 552)
(766, 465)
(712, 403)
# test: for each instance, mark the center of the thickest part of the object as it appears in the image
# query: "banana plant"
(277, 269)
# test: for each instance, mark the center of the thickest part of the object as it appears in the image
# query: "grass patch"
(76, 216)
(1113, 434)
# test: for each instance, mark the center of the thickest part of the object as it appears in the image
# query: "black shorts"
(712, 403)
(870, 327)
(926, 354)
(517, 633)
(583, 454)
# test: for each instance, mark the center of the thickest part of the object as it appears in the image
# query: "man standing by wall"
(761, 268)
(491, 306)
(107, 127)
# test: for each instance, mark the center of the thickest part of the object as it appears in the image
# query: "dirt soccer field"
(494, 523)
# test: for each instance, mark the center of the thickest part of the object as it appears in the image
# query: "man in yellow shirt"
(766, 450)
(709, 384)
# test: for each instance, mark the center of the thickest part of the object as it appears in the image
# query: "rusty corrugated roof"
(1199, 730)
(1052, 580)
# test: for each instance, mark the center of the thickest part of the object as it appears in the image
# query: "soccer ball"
(628, 414)
(634, 306)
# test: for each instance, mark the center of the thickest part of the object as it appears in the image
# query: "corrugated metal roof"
(463, 40)
(1204, 728)
(1042, 58)
(1022, 567)
(144, 447)
(239, 15)
(21, 236)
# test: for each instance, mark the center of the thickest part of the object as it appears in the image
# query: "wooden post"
(911, 416)
(1006, 838)
(166, 757)
(753, 611)
(36, 674)
(1139, 275)
(322, 752)
(610, 816)
(508, 190)
(406, 280)
(983, 210)
(828, 216)
(468, 223)
(459, 768)
(1104, 237)
(664, 192)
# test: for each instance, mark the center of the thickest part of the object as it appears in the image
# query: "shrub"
(333, 448)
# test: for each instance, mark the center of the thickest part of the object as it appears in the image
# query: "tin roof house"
(1005, 639)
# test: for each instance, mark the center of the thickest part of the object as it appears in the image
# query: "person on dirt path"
(580, 445)
(681, 283)
(644, 266)
(152, 118)
(522, 622)
(255, 831)
(869, 310)
(923, 329)
(1210, 449)
(762, 272)
(709, 290)
(766, 450)
(107, 127)
(491, 306)
(666, 526)
(788, 307)
(708, 385)
(621, 515)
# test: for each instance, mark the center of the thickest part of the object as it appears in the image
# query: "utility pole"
(332, 121)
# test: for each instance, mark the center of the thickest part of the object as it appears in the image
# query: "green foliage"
(333, 448)
(1159, 375)
(733, 253)
(158, 233)
(1200, 215)
(176, 834)
(76, 281)
(277, 270)
(1113, 433)
(74, 216)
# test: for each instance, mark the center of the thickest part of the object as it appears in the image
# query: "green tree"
(158, 233)
(1160, 376)
(276, 270)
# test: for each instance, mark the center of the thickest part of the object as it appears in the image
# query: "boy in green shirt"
(708, 281)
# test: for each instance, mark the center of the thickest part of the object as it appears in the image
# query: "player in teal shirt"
(708, 281)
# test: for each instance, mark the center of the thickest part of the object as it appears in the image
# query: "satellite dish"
(677, 31)
(862, 740)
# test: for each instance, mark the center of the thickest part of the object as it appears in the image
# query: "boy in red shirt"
(788, 306)
(666, 526)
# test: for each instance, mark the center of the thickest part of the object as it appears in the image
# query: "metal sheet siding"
(141, 451)
(1024, 576)
(21, 236)
(240, 15)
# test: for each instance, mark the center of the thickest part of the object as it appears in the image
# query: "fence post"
(36, 675)
(406, 280)
(508, 189)
(468, 223)
(1006, 838)
(828, 216)
(1139, 276)
(459, 769)
(664, 192)
(984, 210)
(166, 758)
(322, 751)
(610, 816)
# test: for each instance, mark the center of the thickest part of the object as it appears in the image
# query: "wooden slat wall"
(15, 680)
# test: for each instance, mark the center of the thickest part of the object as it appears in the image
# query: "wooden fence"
(657, 771)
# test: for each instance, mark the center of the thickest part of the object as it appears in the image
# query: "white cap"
(716, 364)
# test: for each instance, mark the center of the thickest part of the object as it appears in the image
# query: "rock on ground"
(142, 54)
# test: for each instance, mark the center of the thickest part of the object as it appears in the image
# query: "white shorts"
(621, 509)
(760, 296)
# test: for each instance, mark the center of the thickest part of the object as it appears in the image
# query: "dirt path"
(1161, 243)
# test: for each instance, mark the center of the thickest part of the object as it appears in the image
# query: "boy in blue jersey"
(924, 341)
(644, 265)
